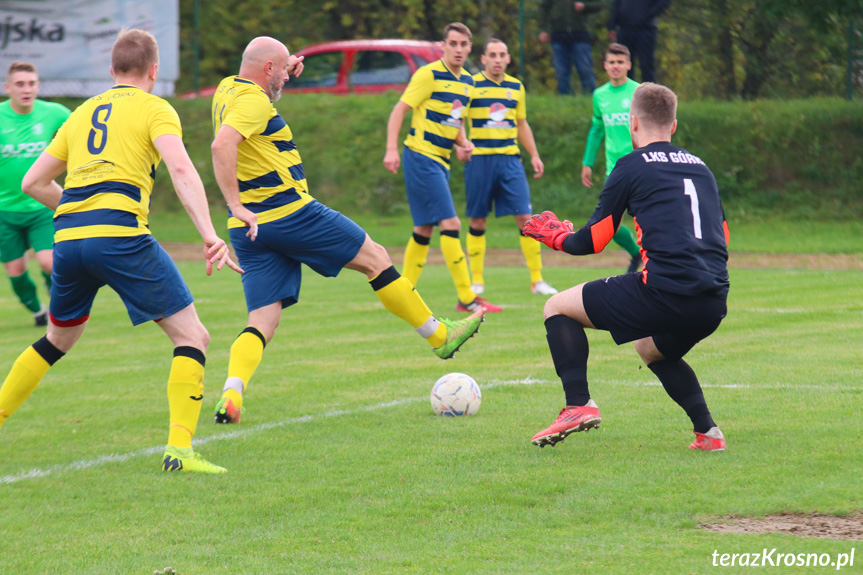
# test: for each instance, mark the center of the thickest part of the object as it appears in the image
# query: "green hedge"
(797, 159)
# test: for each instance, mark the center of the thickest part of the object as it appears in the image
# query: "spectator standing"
(633, 23)
(563, 23)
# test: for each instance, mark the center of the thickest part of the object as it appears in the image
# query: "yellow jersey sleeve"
(164, 121)
(248, 114)
(57, 147)
(521, 107)
(419, 89)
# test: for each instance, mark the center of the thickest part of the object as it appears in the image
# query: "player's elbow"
(181, 170)
(221, 149)
(30, 183)
(216, 148)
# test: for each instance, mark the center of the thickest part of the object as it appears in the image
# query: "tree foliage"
(707, 48)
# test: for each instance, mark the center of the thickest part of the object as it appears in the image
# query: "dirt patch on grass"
(606, 259)
(808, 525)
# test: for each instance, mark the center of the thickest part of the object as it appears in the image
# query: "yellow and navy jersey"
(107, 144)
(439, 100)
(269, 168)
(495, 109)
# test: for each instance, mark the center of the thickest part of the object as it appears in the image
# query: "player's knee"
(551, 307)
(203, 337)
(647, 350)
(479, 223)
(16, 267)
(194, 335)
(450, 224)
(381, 256)
(372, 259)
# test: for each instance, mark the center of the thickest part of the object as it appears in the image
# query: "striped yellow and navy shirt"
(494, 112)
(439, 100)
(269, 168)
(107, 144)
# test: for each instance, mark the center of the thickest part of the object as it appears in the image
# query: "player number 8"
(102, 127)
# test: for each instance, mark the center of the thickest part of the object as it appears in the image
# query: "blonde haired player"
(110, 147)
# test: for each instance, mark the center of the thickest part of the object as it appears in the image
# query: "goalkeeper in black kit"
(678, 299)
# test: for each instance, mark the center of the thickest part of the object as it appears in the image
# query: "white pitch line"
(736, 385)
(242, 432)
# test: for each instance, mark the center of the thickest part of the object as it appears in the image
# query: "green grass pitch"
(340, 465)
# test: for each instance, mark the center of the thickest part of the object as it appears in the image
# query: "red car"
(359, 66)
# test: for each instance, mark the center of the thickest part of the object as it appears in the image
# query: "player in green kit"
(26, 128)
(611, 120)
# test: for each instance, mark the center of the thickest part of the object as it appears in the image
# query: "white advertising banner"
(70, 41)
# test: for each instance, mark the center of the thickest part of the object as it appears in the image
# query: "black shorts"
(630, 310)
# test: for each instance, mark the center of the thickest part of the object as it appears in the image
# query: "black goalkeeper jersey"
(679, 220)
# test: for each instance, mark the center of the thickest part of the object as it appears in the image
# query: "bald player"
(275, 225)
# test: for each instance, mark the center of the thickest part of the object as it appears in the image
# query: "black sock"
(569, 350)
(682, 386)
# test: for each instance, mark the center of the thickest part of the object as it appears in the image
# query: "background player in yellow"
(275, 225)
(110, 148)
(438, 94)
(28, 124)
(494, 172)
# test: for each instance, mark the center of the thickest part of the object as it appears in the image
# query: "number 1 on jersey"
(689, 190)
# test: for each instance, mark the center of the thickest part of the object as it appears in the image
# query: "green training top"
(23, 138)
(611, 120)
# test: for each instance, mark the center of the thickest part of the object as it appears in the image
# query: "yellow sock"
(416, 255)
(246, 354)
(450, 245)
(27, 371)
(402, 299)
(476, 254)
(235, 396)
(533, 257)
(185, 395)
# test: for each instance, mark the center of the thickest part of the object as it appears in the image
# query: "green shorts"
(22, 230)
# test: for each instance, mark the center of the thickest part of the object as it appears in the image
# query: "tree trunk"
(756, 67)
(725, 47)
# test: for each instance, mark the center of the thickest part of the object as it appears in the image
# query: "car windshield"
(375, 67)
(320, 71)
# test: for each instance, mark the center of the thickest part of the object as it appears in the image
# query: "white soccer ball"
(455, 394)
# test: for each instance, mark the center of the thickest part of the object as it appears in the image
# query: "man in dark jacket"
(633, 24)
(564, 24)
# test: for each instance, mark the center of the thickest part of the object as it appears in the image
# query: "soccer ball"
(455, 394)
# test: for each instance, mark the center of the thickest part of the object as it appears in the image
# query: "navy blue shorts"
(498, 179)
(137, 268)
(630, 310)
(315, 235)
(427, 185)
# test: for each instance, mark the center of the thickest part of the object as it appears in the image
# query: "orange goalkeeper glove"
(546, 228)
